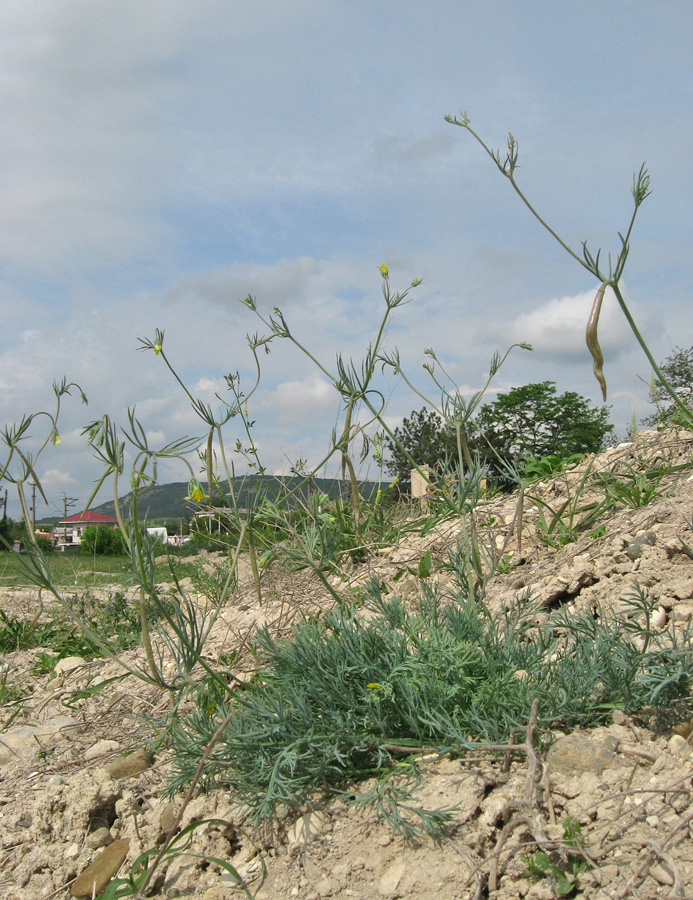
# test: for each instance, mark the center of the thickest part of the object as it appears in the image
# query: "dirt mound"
(604, 813)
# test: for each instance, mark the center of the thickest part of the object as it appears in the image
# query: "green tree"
(427, 439)
(678, 370)
(10, 531)
(102, 540)
(533, 420)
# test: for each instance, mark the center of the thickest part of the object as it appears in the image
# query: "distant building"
(70, 530)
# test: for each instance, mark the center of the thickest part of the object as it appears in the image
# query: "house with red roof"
(69, 531)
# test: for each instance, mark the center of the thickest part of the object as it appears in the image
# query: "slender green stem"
(146, 636)
(655, 368)
(253, 565)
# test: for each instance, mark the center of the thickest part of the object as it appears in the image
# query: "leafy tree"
(427, 438)
(528, 421)
(102, 540)
(678, 370)
(534, 421)
(10, 531)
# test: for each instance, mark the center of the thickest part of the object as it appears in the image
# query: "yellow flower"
(195, 492)
(157, 348)
(55, 437)
(373, 686)
(383, 270)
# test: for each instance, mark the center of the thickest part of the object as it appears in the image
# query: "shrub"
(102, 540)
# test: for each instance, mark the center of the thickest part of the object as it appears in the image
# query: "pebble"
(63, 666)
(100, 837)
(634, 550)
(307, 828)
(679, 746)
(72, 852)
(100, 748)
(578, 753)
(660, 874)
(127, 766)
(25, 740)
(214, 893)
(389, 881)
(659, 618)
(326, 887)
(94, 879)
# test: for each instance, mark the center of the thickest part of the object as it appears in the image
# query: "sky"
(160, 161)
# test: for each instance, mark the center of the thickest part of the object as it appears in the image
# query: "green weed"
(343, 699)
(562, 871)
(627, 486)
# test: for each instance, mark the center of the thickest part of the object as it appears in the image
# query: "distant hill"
(167, 501)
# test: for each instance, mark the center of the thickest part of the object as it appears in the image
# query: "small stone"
(577, 753)
(100, 837)
(214, 893)
(27, 740)
(127, 766)
(662, 875)
(100, 748)
(95, 878)
(609, 872)
(634, 549)
(167, 817)
(72, 852)
(307, 828)
(326, 887)
(659, 618)
(389, 881)
(619, 717)
(679, 746)
(63, 666)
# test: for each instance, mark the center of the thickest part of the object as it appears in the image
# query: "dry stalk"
(188, 797)
(656, 850)
(524, 812)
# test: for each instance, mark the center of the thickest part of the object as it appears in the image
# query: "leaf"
(425, 565)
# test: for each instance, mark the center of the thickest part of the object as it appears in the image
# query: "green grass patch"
(74, 570)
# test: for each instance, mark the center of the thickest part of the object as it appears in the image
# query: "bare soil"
(630, 788)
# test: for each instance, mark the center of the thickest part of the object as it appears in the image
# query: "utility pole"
(33, 508)
(68, 503)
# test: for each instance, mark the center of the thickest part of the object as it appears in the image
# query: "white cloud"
(556, 329)
(304, 401)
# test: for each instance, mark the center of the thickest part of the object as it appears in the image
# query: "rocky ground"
(82, 777)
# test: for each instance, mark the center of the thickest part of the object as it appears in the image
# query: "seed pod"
(592, 340)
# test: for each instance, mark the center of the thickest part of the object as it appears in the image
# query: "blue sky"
(162, 160)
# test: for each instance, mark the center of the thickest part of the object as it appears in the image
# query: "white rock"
(100, 748)
(679, 746)
(307, 828)
(68, 664)
(660, 874)
(27, 740)
(659, 618)
(72, 852)
(389, 881)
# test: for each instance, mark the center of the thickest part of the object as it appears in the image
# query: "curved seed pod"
(592, 340)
